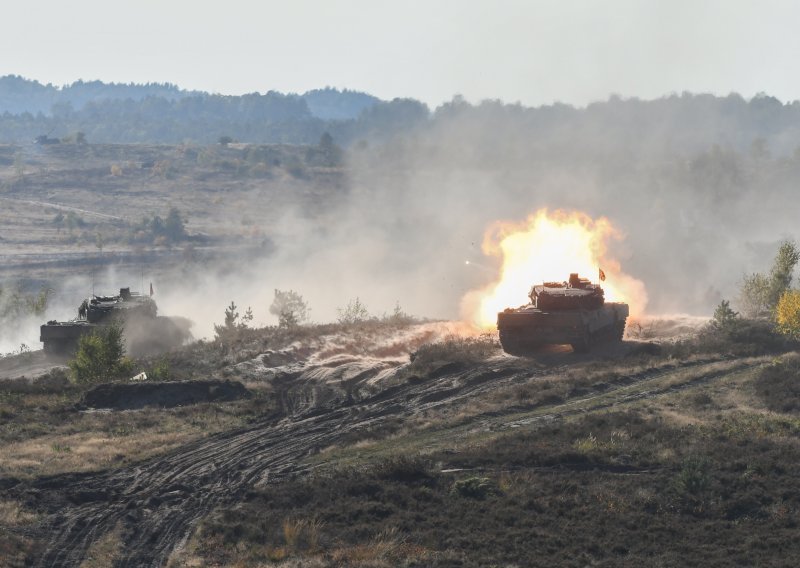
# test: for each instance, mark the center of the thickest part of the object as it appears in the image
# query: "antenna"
(92, 282)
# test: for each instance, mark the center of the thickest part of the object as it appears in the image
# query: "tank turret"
(62, 337)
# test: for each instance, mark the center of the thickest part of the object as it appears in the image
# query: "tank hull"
(525, 329)
(61, 338)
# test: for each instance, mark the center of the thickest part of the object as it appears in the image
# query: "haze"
(533, 52)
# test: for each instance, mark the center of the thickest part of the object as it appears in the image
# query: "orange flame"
(548, 247)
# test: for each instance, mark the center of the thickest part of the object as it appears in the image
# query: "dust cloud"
(409, 228)
(697, 207)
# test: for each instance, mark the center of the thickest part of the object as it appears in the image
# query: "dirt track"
(157, 503)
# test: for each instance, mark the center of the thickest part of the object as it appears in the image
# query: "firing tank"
(61, 337)
(573, 312)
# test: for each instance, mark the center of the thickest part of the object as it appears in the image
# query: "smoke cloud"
(406, 221)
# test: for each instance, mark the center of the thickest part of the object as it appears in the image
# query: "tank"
(573, 312)
(61, 337)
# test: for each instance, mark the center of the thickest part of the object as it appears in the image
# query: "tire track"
(158, 503)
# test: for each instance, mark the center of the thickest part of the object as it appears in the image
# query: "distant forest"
(676, 125)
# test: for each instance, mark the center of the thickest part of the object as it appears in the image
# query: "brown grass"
(105, 550)
(45, 438)
(13, 514)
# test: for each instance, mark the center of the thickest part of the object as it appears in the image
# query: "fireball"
(547, 247)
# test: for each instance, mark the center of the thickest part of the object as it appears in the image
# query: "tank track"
(519, 345)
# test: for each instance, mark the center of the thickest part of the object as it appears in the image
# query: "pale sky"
(534, 52)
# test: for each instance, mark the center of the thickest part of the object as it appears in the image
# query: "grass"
(104, 551)
(43, 434)
(453, 350)
(14, 514)
(779, 384)
(642, 492)
(642, 447)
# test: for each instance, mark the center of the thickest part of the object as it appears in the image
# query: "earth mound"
(130, 396)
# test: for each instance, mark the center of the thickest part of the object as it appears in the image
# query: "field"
(382, 441)
(347, 454)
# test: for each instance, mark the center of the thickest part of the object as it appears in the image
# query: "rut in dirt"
(155, 505)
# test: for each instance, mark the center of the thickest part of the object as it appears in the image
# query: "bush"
(724, 317)
(100, 357)
(403, 468)
(475, 488)
(778, 384)
(787, 313)
(453, 349)
(232, 327)
(354, 312)
(693, 477)
(743, 337)
(290, 307)
(759, 293)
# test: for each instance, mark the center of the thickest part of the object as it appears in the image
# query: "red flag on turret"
(151, 288)
(602, 277)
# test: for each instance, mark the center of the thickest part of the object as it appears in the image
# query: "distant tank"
(573, 312)
(62, 337)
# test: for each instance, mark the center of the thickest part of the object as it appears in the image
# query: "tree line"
(163, 113)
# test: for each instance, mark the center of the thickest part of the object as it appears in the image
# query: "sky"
(533, 52)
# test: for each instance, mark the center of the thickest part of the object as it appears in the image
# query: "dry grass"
(13, 514)
(105, 550)
(71, 441)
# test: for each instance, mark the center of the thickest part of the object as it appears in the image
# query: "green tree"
(759, 294)
(780, 277)
(100, 356)
(174, 228)
(290, 307)
(724, 317)
(231, 327)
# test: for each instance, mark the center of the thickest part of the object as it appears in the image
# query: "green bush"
(693, 477)
(290, 307)
(100, 357)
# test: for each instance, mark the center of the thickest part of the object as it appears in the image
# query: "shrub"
(100, 356)
(403, 468)
(724, 317)
(693, 477)
(759, 294)
(232, 327)
(290, 307)
(354, 312)
(787, 313)
(778, 384)
(399, 316)
(475, 487)
(744, 337)
(453, 348)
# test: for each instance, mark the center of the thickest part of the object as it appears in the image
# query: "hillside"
(346, 452)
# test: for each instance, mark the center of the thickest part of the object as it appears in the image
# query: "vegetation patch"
(616, 489)
(778, 384)
(448, 354)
